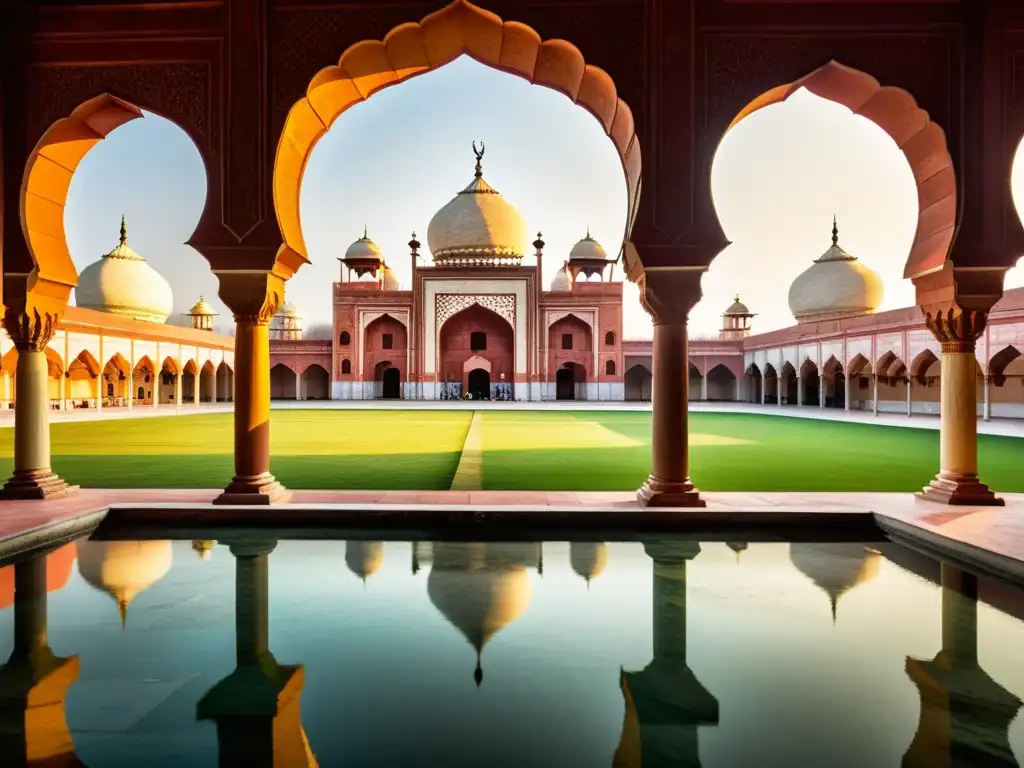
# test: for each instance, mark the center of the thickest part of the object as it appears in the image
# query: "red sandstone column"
(668, 296)
(957, 482)
(253, 304)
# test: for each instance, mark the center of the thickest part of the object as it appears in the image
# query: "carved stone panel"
(449, 304)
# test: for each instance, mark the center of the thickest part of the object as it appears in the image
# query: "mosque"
(477, 323)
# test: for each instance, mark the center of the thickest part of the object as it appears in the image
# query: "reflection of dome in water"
(835, 568)
(835, 285)
(122, 283)
(364, 558)
(476, 595)
(478, 226)
(737, 547)
(123, 569)
(588, 558)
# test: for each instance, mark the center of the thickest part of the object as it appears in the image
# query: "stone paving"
(992, 537)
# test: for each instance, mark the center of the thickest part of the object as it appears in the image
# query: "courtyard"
(523, 450)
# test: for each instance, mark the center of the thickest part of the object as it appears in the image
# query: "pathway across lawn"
(511, 450)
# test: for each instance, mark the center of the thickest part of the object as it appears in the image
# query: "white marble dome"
(478, 227)
(835, 285)
(562, 281)
(390, 280)
(363, 248)
(122, 283)
(588, 248)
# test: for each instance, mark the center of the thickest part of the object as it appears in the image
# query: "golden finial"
(835, 231)
(124, 231)
(479, 156)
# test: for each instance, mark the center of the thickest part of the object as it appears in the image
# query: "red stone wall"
(582, 351)
(455, 344)
(373, 347)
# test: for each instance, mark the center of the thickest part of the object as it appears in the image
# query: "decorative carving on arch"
(449, 304)
(414, 48)
(44, 190)
(369, 317)
(586, 316)
(922, 142)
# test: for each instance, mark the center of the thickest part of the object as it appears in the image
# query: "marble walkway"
(992, 538)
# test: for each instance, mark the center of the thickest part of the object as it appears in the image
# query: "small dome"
(202, 308)
(478, 226)
(588, 558)
(364, 248)
(364, 558)
(124, 569)
(588, 248)
(737, 307)
(391, 280)
(562, 281)
(288, 310)
(122, 283)
(835, 568)
(835, 285)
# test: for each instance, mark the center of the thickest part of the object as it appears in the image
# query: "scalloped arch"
(44, 189)
(921, 141)
(412, 49)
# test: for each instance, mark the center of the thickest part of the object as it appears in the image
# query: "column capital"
(669, 293)
(956, 327)
(31, 324)
(252, 296)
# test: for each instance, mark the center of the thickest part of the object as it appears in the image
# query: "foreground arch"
(922, 142)
(414, 48)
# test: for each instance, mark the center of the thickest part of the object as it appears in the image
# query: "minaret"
(34, 682)
(965, 714)
(538, 251)
(256, 707)
(736, 321)
(202, 315)
(665, 703)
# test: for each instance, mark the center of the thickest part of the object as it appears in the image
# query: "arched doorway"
(391, 384)
(638, 383)
(457, 358)
(722, 384)
(811, 383)
(565, 384)
(316, 383)
(479, 384)
(789, 382)
(754, 383)
(282, 383)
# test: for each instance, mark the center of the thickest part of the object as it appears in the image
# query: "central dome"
(478, 227)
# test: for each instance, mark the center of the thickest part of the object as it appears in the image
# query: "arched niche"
(411, 49)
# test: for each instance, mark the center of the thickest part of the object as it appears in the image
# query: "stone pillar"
(131, 388)
(910, 395)
(177, 390)
(668, 297)
(987, 410)
(821, 393)
(298, 386)
(156, 388)
(846, 394)
(778, 389)
(197, 387)
(957, 329)
(704, 388)
(62, 391)
(874, 395)
(31, 329)
(253, 298)
(799, 390)
(34, 682)
(257, 707)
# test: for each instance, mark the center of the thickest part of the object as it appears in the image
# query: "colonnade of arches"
(254, 290)
(719, 385)
(310, 383)
(83, 383)
(888, 386)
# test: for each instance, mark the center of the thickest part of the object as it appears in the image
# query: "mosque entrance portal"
(479, 384)
(565, 384)
(391, 381)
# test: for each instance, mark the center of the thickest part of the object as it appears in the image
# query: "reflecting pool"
(660, 653)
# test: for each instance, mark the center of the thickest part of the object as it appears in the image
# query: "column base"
(661, 493)
(258, 490)
(36, 484)
(961, 490)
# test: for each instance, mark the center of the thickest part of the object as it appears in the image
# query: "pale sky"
(394, 160)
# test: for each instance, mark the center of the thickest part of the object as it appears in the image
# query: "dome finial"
(124, 230)
(588, 230)
(479, 156)
(835, 231)
(366, 235)
(122, 609)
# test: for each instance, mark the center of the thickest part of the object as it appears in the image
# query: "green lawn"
(546, 450)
